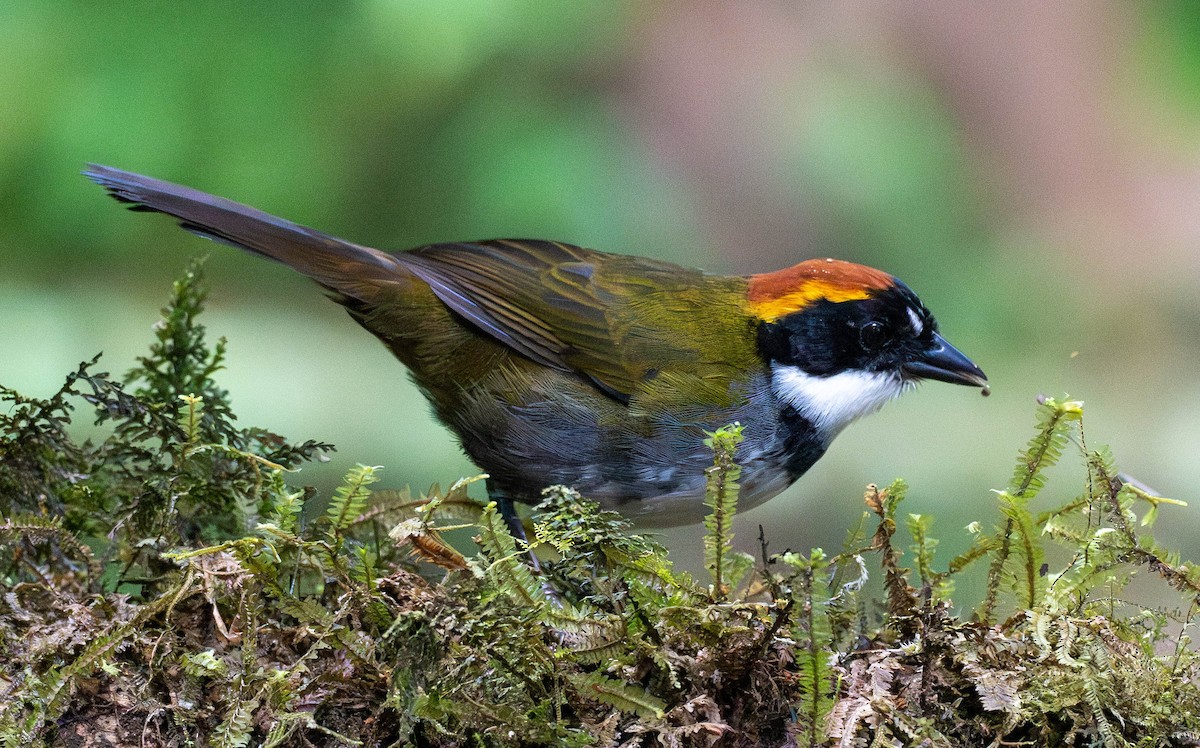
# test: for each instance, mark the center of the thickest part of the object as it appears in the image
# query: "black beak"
(945, 363)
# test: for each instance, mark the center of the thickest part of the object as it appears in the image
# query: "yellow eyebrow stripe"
(773, 295)
(771, 309)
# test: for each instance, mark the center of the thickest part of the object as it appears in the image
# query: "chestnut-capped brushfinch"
(555, 364)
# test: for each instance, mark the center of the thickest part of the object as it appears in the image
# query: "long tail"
(349, 269)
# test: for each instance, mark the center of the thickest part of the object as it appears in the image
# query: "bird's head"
(842, 339)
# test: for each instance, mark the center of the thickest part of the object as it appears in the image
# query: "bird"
(553, 364)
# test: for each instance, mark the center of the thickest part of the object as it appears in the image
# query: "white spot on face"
(917, 325)
(832, 402)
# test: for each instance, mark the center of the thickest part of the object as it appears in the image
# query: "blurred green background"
(1032, 169)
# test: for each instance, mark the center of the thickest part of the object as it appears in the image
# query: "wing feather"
(571, 308)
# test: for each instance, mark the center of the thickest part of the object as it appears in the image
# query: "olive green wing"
(615, 319)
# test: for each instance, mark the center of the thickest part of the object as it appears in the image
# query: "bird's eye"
(873, 336)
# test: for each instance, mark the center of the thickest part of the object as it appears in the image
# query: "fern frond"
(1055, 419)
(285, 509)
(813, 634)
(202, 664)
(595, 641)
(189, 417)
(348, 502)
(350, 498)
(721, 496)
(1028, 553)
(982, 545)
(285, 726)
(1096, 702)
(923, 548)
(452, 504)
(507, 569)
(618, 694)
(40, 529)
(235, 729)
(902, 598)
(1097, 555)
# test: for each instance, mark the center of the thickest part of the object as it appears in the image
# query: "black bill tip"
(945, 363)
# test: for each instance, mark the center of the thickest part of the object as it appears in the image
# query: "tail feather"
(342, 266)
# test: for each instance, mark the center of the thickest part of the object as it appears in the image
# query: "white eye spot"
(832, 402)
(917, 325)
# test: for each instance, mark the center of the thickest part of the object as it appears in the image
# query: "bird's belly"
(760, 480)
(649, 463)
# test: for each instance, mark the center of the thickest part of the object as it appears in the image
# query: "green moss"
(162, 586)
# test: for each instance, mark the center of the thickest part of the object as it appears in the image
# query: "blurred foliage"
(1169, 52)
(399, 122)
(396, 123)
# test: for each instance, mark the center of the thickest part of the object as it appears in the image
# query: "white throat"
(832, 402)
